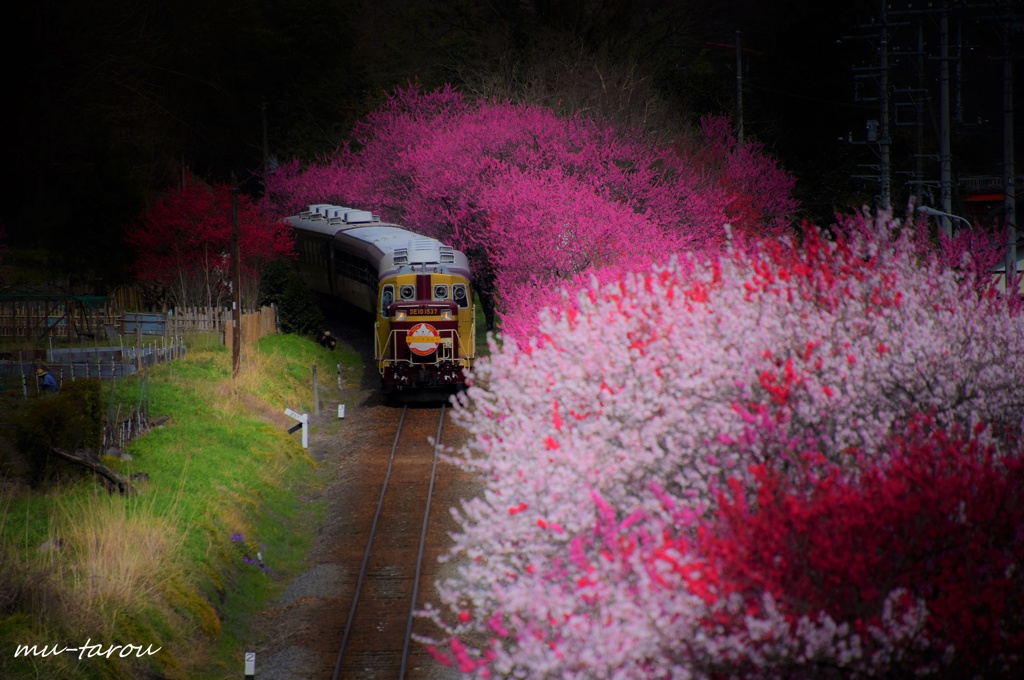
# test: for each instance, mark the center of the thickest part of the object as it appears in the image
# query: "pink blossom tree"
(536, 198)
(680, 451)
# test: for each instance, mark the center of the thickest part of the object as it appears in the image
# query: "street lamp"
(934, 212)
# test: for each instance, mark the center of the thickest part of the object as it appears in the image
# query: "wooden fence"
(77, 319)
(178, 323)
(197, 320)
(254, 325)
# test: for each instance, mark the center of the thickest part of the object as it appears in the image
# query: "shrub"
(933, 531)
(297, 309)
(71, 419)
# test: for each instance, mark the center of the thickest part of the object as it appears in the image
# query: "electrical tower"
(916, 80)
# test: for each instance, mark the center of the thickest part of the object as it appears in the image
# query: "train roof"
(390, 246)
(329, 220)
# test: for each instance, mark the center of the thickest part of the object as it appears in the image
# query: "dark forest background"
(109, 101)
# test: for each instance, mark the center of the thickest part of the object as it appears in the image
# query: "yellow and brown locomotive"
(417, 288)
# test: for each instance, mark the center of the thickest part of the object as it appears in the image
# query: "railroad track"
(376, 642)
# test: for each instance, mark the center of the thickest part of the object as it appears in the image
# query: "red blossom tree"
(940, 521)
(183, 244)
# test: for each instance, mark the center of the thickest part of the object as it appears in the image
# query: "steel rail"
(369, 548)
(419, 556)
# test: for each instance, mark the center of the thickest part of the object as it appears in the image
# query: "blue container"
(144, 323)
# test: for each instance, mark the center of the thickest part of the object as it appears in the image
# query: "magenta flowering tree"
(661, 458)
(536, 198)
(745, 179)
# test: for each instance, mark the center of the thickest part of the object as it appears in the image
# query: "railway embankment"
(168, 582)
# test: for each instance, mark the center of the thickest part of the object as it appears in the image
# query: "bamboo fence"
(68, 318)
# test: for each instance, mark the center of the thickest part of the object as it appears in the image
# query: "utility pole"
(878, 131)
(236, 302)
(884, 141)
(945, 166)
(1009, 181)
(266, 145)
(919, 123)
(739, 90)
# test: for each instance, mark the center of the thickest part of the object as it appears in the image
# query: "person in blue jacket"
(47, 383)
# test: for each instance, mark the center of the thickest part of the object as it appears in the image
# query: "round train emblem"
(422, 339)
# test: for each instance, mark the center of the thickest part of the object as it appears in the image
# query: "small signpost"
(303, 419)
(250, 665)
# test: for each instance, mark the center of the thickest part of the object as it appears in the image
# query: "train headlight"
(446, 315)
(400, 315)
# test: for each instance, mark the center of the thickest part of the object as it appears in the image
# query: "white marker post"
(341, 411)
(303, 419)
(250, 665)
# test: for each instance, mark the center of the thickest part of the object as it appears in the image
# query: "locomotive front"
(426, 330)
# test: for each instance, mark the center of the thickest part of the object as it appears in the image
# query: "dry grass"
(27, 577)
(251, 392)
(117, 554)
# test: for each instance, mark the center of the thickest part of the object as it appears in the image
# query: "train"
(416, 287)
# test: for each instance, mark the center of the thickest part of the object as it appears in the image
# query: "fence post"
(316, 394)
(24, 383)
(110, 406)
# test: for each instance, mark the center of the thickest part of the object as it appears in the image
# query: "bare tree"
(573, 79)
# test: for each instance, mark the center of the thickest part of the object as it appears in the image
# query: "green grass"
(225, 481)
